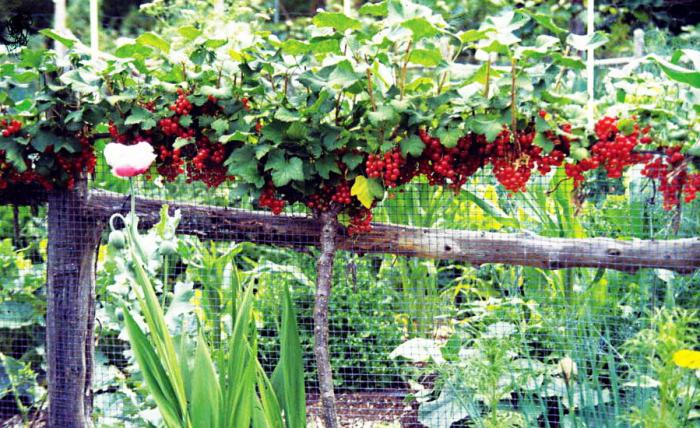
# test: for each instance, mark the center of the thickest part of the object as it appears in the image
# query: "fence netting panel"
(415, 341)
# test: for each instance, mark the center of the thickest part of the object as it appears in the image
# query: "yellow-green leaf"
(361, 190)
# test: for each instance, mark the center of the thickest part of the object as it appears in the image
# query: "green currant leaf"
(140, 116)
(412, 146)
(352, 160)
(326, 165)
(242, 164)
(374, 9)
(335, 20)
(543, 142)
(449, 137)
(425, 57)
(153, 40)
(421, 28)
(283, 170)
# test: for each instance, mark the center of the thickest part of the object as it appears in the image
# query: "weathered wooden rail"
(474, 247)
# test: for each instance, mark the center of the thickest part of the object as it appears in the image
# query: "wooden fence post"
(73, 239)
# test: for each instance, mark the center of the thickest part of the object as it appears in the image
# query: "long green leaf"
(269, 404)
(205, 402)
(153, 313)
(153, 372)
(239, 381)
(290, 368)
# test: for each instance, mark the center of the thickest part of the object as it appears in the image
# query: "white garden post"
(590, 63)
(94, 29)
(59, 25)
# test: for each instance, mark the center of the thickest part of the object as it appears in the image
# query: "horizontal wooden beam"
(474, 247)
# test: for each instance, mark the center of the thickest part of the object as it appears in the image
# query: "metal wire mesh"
(414, 340)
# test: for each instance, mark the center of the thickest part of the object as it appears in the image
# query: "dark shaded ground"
(369, 409)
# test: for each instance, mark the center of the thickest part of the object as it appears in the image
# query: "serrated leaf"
(421, 28)
(283, 170)
(336, 20)
(326, 165)
(182, 142)
(153, 40)
(342, 76)
(42, 140)
(13, 153)
(489, 128)
(541, 125)
(25, 77)
(185, 121)
(352, 160)
(579, 153)
(384, 114)
(571, 62)
(543, 142)
(140, 116)
(425, 57)
(547, 22)
(189, 32)
(236, 136)
(449, 137)
(677, 73)
(470, 36)
(412, 145)
(325, 46)
(284, 115)
(294, 47)
(215, 43)
(362, 191)
(243, 165)
(507, 21)
(543, 46)
(374, 9)
(132, 50)
(626, 125)
(220, 126)
(297, 131)
(564, 99)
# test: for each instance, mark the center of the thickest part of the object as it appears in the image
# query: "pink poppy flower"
(129, 161)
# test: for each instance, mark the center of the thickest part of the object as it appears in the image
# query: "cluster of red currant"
(268, 199)
(615, 150)
(202, 161)
(342, 194)
(10, 127)
(360, 221)
(117, 137)
(170, 163)
(182, 105)
(387, 167)
(75, 164)
(207, 165)
(673, 176)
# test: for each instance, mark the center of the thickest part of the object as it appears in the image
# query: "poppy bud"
(117, 239)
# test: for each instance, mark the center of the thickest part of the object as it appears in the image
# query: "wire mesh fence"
(415, 341)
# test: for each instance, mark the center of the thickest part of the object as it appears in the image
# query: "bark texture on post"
(324, 280)
(73, 239)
